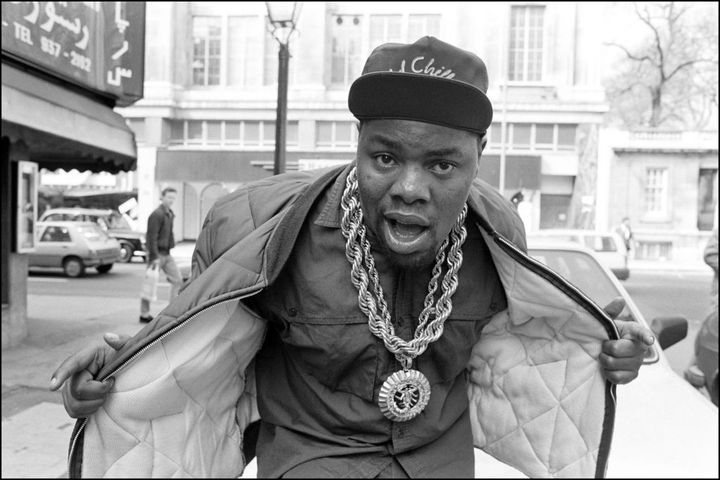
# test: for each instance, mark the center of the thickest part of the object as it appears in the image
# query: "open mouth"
(405, 237)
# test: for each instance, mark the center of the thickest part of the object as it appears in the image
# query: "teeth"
(407, 230)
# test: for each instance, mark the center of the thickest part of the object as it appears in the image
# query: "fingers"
(635, 331)
(615, 307)
(620, 370)
(76, 363)
(116, 341)
(82, 395)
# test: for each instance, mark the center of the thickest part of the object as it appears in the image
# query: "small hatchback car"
(74, 246)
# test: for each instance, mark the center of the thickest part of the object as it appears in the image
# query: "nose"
(411, 185)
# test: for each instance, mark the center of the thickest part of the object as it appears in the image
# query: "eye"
(384, 160)
(443, 168)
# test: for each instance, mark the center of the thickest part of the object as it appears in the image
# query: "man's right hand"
(82, 394)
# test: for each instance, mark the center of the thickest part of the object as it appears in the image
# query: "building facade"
(666, 183)
(206, 124)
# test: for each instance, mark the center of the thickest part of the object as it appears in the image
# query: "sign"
(99, 45)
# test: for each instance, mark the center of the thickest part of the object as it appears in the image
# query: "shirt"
(320, 369)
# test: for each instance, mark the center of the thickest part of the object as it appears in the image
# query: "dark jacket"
(185, 384)
(160, 232)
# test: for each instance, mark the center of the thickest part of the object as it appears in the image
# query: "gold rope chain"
(357, 251)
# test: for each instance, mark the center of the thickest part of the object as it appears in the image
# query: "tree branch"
(630, 55)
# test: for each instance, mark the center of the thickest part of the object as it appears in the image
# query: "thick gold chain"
(433, 316)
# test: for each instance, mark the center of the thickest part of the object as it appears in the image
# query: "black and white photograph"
(359, 239)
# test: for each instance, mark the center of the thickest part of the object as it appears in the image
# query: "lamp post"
(282, 20)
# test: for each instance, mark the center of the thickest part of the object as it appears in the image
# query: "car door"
(54, 243)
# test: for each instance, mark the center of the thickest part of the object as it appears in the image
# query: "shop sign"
(99, 45)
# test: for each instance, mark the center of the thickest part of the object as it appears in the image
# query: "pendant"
(404, 395)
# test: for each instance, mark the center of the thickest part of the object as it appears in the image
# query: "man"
(626, 233)
(160, 241)
(379, 319)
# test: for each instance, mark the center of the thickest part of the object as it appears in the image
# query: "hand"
(83, 395)
(621, 359)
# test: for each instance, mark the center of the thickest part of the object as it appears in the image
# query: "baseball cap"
(429, 81)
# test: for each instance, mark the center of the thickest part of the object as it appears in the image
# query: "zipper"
(570, 290)
(579, 297)
(79, 430)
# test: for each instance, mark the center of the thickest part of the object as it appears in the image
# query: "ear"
(482, 142)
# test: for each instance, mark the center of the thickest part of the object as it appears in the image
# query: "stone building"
(206, 123)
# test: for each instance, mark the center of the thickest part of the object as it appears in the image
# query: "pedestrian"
(378, 319)
(625, 231)
(159, 241)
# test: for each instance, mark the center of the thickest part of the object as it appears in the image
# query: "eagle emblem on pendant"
(404, 395)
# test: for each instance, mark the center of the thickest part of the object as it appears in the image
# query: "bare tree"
(670, 78)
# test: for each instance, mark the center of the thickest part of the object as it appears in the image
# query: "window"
(244, 45)
(335, 134)
(346, 63)
(56, 234)
(544, 136)
(206, 50)
(707, 197)
(220, 133)
(526, 43)
(534, 136)
(384, 29)
(566, 137)
(521, 135)
(656, 191)
(422, 25)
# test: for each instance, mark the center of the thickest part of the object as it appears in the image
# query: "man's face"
(413, 180)
(168, 199)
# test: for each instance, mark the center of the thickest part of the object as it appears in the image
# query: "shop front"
(65, 65)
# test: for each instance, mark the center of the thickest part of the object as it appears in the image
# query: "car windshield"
(582, 271)
(92, 233)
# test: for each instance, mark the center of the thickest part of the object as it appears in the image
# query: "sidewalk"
(697, 266)
(35, 427)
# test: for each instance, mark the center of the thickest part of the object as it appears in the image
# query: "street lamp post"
(282, 19)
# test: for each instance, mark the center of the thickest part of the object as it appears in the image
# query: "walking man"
(160, 241)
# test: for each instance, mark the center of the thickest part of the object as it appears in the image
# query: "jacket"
(159, 236)
(538, 399)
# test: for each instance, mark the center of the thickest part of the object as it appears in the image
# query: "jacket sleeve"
(151, 237)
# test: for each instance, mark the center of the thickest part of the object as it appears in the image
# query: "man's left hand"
(621, 359)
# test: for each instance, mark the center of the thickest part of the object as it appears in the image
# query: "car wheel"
(126, 252)
(73, 267)
(104, 268)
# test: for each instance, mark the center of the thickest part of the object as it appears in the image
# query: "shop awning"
(62, 128)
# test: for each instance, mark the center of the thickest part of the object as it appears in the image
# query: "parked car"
(663, 426)
(132, 242)
(609, 247)
(74, 246)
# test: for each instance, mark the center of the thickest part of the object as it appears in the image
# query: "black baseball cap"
(428, 81)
